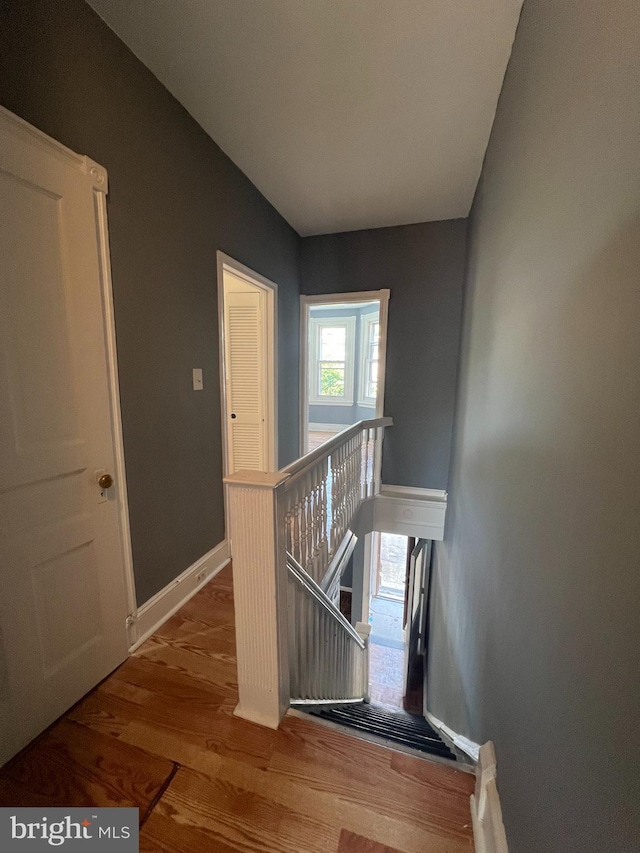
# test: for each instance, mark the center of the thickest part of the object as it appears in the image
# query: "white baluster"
(377, 474)
(365, 463)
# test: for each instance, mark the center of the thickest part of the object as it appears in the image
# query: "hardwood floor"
(316, 437)
(160, 734)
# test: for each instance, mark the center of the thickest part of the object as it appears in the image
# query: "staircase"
(335, 691)
(292, 532)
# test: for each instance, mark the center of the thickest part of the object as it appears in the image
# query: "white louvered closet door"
(246, 377)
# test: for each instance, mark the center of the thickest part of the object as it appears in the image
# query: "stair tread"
(415, 742)
(396, 726)
(400, 718)
(399, 726)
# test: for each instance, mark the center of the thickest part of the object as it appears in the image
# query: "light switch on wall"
(197, 379)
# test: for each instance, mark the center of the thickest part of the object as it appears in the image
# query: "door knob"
(233, 415)
(105, 481)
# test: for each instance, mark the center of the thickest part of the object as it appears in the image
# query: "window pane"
(332, 379)
(333, 343)
(374, 336)
(373, 379)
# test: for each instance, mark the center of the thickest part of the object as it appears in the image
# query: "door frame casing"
(227, 263)
(306, 301)
(98, 179)
(100, 201)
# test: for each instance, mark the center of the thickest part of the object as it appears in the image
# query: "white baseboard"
(489, 835)
(462, 743)
(155, 612)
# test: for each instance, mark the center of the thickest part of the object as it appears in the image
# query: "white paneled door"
(63, 600)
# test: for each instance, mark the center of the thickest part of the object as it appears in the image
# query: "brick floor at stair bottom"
(160, 734)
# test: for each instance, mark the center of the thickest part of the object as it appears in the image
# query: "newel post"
(256, 528)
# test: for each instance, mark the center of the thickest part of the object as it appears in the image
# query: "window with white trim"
(369, 355)
(331, 360)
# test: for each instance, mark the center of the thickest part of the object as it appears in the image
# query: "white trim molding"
(96, 173)
(366, 322)
(100, 187)
(471, 749)
(486, 812)
(416, 492)
(411, 512)
(162, 606)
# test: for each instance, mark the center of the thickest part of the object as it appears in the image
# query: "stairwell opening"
(397, 618)
(387, 641)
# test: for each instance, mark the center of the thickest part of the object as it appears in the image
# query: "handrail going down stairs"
(288, 531)
(328, 657)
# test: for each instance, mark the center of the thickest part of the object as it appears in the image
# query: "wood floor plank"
(162, 834)
(325, 760)
(220, 594)
(214, 669)
(438, 777)
(327, 748)
(203, 608)
(76, 766)
(327, 805)
(238, 786)
(170, 685)
(352, 843)
(199, 635)
(103, 711)
(157, 723)
(242, 820)
(129, 704)
(226, 736)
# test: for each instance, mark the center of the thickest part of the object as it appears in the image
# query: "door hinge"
(130, 628)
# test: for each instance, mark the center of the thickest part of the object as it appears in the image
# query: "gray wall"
(423, 266)
(174, 200)
(537, 634)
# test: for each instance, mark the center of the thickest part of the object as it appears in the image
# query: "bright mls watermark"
(87, 829)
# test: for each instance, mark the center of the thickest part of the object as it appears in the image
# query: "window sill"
(326, 402)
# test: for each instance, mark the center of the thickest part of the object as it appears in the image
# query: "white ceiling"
(346, 114)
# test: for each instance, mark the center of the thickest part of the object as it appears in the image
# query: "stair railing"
(325, 489)
(328, 657)
(306, 509)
